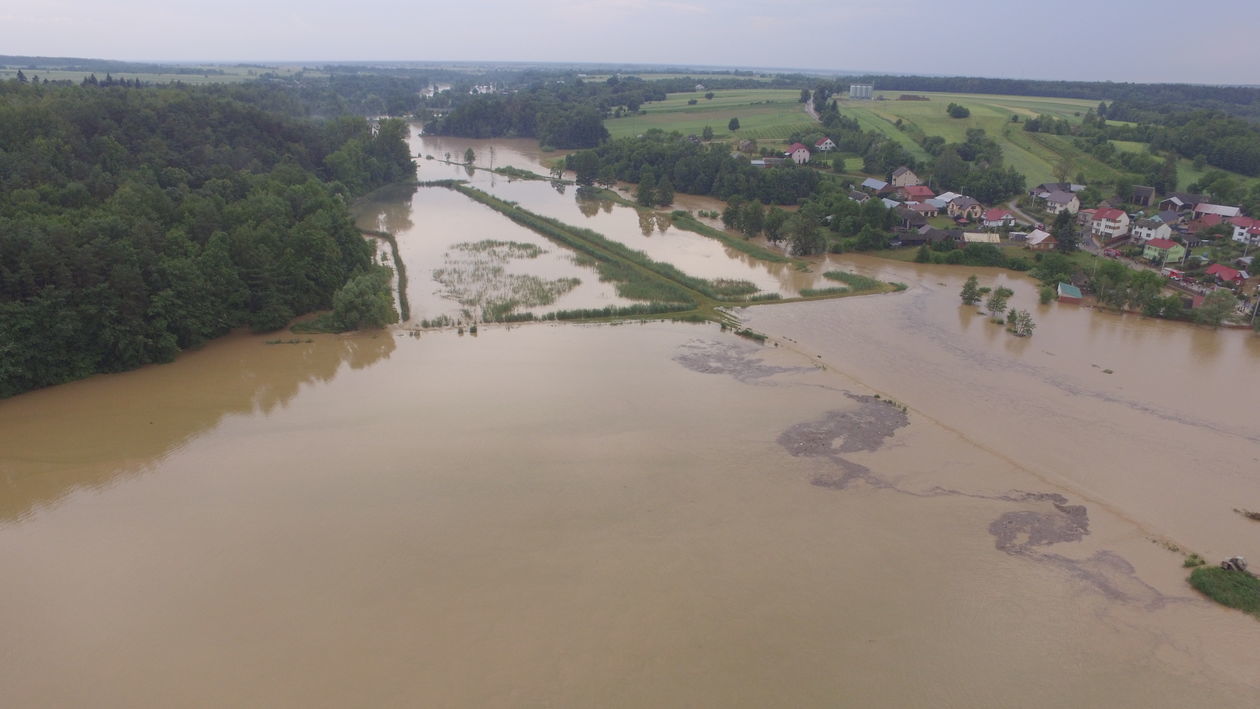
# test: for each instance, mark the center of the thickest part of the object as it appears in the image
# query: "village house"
(904, 177)
(1163, 251)
(1246, 230)
(908, 218)
(965, 208)
(927, 210)
(825, 145)
(1057, 202)
(798, 153)
(1225, 274)
(998, 218)
(1039, 240)
(858, 196)
(914, 193)
(1146, 229)
(1110, 223)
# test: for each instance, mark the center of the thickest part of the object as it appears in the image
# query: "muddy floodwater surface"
(890, 503)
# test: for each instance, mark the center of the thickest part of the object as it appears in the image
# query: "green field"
(764, 114)
(1034, 154)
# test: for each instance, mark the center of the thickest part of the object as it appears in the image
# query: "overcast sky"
(1122, 40)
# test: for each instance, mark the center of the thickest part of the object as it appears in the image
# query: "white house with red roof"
(798, 153)
(1110, 223)
(825, 145)
(998, 218)
(1246, 230)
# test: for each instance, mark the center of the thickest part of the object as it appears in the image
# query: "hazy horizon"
(1074, 40)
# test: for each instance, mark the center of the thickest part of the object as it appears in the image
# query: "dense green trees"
(135, 222)
(695, 169)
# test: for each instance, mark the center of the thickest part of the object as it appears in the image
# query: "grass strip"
(400, 271)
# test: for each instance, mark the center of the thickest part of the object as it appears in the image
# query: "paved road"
(1087, 240)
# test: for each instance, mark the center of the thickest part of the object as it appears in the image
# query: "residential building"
(1142, 196)
(1110, 223)
(1039, 240)
(825, 145)
(1163, 251)
(798, 153)
(1059, 201)
(1146, 229)
(965, 208)
(916, 193)
(904, 177)
(998, 218)
(1227, 275)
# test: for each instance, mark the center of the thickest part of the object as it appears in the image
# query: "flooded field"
(892, 503)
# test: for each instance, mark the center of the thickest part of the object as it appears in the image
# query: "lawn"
(764, 114)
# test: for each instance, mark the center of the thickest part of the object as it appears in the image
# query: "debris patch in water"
(738, 360)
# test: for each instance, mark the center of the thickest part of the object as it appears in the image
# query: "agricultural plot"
(764, 114)
(1033, 154)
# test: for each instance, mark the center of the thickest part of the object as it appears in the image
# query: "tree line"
(136, 222)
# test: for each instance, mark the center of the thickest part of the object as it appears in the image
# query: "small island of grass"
(1236, 589)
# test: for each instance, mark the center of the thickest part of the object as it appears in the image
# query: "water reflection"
(168, 406)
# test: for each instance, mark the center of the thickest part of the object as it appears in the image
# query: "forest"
(139, 221)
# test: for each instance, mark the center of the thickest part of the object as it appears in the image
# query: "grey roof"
(936, 202)
(890, 203)
(874, 184)
(900, 171)
(964, 202)
(1168, 216)
(1060, 197)
(857, 196)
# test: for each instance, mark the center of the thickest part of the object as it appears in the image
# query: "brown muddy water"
(643, 515)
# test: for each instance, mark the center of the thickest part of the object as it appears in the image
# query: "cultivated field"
(764, 114)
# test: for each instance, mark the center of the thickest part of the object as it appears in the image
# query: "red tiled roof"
(821, 141)
(1108, 214)
(995, 214)
(1244, 222)
(1225, 273)
(797, 146)
(1162, 243)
